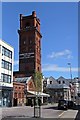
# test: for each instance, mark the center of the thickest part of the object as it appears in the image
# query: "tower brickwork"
(29, 44)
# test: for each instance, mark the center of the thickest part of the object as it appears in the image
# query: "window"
(30, 49)
(38, 68)
(1, 77)
(9, 79)
(15, 87)
(24, 42)
(39, 43)
(50, 82)
(6, 65)
(2, 63)
(0, 48)
(10, 66)
(63, 82)
(30, 41)
(22, 95)
(19, 95)
(5, 78)
(15, 95)
(37, 26)
(59, 82)
(6, 52)
(27, 25)
(10, 54)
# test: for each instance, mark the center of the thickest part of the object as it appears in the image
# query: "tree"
(38, 88)
(38, 81)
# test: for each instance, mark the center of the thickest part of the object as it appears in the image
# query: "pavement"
(78, 113)
(78, 116)
(47, 111)
(69, 114)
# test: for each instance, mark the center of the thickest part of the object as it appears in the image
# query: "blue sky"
(59, 28)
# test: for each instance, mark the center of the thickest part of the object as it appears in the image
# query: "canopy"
(40, 94)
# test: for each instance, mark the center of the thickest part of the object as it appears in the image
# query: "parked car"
(71, 104)
(63, 104)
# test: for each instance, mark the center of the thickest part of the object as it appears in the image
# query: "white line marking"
(61, 114)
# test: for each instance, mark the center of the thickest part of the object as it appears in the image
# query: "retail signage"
(5, 84)
(26, 55)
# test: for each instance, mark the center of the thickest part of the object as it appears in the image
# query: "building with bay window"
(6, 73)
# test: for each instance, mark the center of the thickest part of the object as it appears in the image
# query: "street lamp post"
(70, 78)
(70, 71)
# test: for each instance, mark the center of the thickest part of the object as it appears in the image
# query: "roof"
(22, 80)
(58, 86)
(18, 83)
(34, 93)
(61, 78)
(2, 41)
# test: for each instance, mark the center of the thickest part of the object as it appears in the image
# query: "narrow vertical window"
(0, 48)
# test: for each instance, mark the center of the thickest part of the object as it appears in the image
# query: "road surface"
(47, 111)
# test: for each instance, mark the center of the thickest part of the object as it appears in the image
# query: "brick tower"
(29, 44)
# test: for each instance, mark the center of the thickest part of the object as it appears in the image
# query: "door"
(15, 102)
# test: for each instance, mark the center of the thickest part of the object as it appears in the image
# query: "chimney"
(34, 14)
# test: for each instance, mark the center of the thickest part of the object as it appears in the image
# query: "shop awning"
(39, 94)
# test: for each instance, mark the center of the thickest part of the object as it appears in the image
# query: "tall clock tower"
(29, 44)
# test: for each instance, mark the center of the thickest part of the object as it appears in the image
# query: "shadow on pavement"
(31, 119)
(78, 114)
(55, 108)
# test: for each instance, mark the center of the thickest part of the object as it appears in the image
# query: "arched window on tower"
(38, 68)
(27, 25)
(37, 26)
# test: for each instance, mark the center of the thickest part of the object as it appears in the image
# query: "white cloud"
(16, 62)
(56, 68)
(62, 54)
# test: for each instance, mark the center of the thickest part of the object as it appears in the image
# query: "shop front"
(5, 96)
